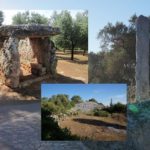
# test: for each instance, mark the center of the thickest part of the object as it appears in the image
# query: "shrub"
(116, 108)
(51, 129)
(101, 113)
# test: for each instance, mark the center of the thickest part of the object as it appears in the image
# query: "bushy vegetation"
(29, 18)
(60, 103)
(113, 108)
(56, 104)
(116, 108)
(51, 129)
(93, 100)
(1, 18)
(101, 113)
(116, 60)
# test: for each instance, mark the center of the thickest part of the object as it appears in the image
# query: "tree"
(21, 18)
(117, 58)
(38, 19)
(82, 22)
(27, 18)
(92, 100)
(111, 103)
(73, 33)
(76, 99)
(1, 18)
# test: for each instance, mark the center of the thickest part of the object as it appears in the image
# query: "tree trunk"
(84, 52)
(72, 52)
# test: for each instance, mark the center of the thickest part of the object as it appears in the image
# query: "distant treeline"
(115, 62)
(74, 30)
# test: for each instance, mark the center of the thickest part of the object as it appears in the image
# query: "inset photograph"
(39, 46)
(83, 112)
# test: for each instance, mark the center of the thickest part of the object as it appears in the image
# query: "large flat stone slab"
(22, 31)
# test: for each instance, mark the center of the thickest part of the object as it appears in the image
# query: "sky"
(8, 14)
(103, 93)
(100, 11)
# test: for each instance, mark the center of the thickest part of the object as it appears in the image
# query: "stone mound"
(88, 106)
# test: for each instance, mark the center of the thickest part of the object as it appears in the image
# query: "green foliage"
(51, 129)
(92, 100)
(1, 18)
(116, 108)
(27, 18)
(74, 32)
(76, 99)
(59, 103)
(120, 108)
(101, 113)
(116, 62)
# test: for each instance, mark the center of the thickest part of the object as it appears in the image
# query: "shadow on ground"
(76, 60)
(32, 92)
(99, 123)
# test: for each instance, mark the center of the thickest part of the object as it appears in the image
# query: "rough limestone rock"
(10, 62)
(25, 50)
(22, 31)
(37, 38)
(142, 58)
(88, 106)
(139, 126)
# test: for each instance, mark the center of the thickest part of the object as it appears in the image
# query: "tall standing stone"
(142, 58)
(10, 62)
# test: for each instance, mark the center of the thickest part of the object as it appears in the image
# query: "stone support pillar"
(44, 53)
(10, 62)
(142, 58)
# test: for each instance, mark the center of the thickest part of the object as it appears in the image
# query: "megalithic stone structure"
(142, 58)
(39, 36)
(11, 62)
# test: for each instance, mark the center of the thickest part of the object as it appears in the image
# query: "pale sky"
(8, 14)
(100, 11)
(103, 93)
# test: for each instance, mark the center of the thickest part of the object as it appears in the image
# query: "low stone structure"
(43, 49)
(88, 106)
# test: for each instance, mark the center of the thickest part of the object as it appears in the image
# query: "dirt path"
(20, 129)
(77, 69)
(96, 128)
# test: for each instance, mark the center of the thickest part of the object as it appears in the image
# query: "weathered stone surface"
(131, 94)
(22, 31)
(10, 62)
(142, 58)
(53, 59)
(38, 40)
(87, 106)
(44, 51)
(139, 126)
(37, 69)
(25, 50)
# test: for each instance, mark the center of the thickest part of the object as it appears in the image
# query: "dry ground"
(76, 69)
(67, 72)
(96, 128)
